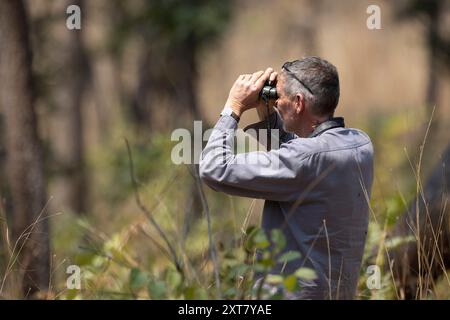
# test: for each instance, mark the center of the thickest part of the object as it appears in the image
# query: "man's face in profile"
(285, 106)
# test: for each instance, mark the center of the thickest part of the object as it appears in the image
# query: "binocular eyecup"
(269, 91)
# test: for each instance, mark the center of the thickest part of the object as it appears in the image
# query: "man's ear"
(299, 103)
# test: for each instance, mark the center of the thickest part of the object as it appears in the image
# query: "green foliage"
(270, 251)
(170, 23)
(289, 256)
(138, 279)
(306, 274)
(256, 239)
(109, 271)
(112, 166)
(396, 242)
(180, 20)
(394, 208)
(156, 289)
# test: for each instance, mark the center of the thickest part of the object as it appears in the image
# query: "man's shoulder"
(352, 136)
(333, 140)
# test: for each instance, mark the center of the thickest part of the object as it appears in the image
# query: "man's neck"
(305, 130)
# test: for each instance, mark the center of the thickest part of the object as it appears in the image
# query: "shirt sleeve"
(275, 175)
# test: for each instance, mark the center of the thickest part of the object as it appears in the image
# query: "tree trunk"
(143, 98)
(182, 69)
(433, 41)
(427, 219)
(68, 140)
(167, 73)
(24, 151)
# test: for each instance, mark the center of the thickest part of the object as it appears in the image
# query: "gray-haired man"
(318, 191)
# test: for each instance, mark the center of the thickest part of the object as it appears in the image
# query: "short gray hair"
(321, 77)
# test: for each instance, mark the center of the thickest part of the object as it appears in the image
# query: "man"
(316, 184)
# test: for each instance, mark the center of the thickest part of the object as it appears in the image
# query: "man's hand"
(244, 93)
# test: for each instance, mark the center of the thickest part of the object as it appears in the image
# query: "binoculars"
(269, 91)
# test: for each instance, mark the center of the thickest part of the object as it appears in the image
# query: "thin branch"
(147, 212)
(212, 248)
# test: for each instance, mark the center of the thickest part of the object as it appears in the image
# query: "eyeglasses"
(285, 67)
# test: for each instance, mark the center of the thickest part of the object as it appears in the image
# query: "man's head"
(308, 93)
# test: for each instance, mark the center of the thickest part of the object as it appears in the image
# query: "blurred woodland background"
(139, 69)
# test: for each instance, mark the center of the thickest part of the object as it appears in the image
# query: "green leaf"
(267, 262)
(398, 241)
(278, 239)
(189, 293)
(195, 293)
(260, 268)
(138, 279)
(230, 292)
(71, 294)
(239, 270)
(173, 278)
(274, 279)
(290, 283)
(394, 208)
(250, 234)
(201, 294)
(306, 274)
(156, 289)
(277, 296)
(256, 239)
(289, 256)
(261, 240)
(250, 230)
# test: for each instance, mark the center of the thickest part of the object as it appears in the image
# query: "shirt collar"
(336, 122)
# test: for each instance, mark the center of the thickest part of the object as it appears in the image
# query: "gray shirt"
(316, 191)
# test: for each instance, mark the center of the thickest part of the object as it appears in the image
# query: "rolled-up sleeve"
(275, 175)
